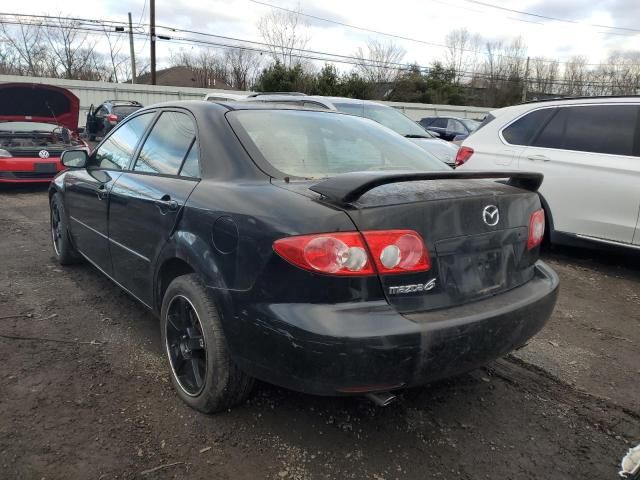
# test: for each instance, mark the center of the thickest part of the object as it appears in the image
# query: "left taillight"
(351, 253)
(341, 253)
(113, 119)
(536, 229)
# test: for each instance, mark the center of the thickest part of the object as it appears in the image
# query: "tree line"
(471, 71)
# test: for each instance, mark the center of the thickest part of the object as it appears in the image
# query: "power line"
(378, 32)
(545, 17)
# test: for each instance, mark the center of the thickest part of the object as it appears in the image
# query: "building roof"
(183, 76)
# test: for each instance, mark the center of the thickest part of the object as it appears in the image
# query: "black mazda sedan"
(314, 250)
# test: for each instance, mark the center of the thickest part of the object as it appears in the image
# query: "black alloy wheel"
(186, 346)
(57, 228)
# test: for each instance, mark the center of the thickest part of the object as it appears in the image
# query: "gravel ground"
(85, 392)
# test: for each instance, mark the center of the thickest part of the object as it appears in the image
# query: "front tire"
(202, 371)
(65, 252)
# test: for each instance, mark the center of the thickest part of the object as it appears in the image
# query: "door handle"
(166, 203)
(544, 158)
(101, 191)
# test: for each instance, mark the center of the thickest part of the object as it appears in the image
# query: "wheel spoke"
(170, 319)
(197, 376)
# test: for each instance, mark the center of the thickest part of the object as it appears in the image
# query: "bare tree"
(461, 55)
(119, 63)
(27, 45)
(243, 67)
(575, 76)
(72, 53)
(208, 68)
(286, 33)
(545, 74)
(379, 64)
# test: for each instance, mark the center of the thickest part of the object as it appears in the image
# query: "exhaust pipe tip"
(381, 399)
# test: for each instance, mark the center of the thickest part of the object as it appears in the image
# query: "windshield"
(387, 116)
(316, 144)
(470, 124)
(26, 127)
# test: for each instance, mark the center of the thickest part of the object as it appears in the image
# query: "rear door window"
(440, 123)
(609, 129)
(523, 130)
(167, 145)
(117, 150)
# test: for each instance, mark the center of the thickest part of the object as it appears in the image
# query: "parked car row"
(322, 243)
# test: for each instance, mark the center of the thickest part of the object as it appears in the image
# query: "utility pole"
(525, 84)
(132, 52)
(152, 26)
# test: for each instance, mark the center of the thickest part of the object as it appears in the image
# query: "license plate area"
(45, 167)
(477, 266)
(473, 275)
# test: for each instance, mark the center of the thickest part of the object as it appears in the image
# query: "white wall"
(97, 92)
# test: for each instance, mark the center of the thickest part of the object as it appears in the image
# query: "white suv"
(589, 152)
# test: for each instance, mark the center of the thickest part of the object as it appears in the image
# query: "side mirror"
(75, 158)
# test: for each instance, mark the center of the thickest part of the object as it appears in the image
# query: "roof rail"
(583, 97)
(295, 94)
(130, 102)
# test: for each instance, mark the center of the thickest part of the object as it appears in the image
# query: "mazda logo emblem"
(491, 215)
(43, 154)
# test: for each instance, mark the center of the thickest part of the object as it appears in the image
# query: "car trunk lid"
(473, 255)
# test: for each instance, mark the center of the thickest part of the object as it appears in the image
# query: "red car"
(37, 123)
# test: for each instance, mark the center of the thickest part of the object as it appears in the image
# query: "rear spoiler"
(349, 187)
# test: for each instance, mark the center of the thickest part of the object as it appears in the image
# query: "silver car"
(383, 114)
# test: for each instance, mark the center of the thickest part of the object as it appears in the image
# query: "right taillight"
(463, 155)
(398, 251)
(536, 229)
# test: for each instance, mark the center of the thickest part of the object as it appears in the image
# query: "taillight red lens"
(342, 253)
(463, 155)
(396, 251)
(345, 253)
(536, 229)
(112, 118)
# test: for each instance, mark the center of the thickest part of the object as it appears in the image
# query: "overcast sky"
(426, 20)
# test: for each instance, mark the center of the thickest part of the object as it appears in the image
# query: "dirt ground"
(85, 392)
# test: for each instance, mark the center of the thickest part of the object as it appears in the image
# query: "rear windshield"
(312, 144)
(123, 110)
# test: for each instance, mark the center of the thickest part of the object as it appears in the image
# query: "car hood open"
(32, 102)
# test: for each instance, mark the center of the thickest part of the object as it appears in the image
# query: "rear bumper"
(359, 347)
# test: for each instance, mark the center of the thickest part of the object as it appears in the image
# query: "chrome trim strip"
(130, 251)
(112, 240)
(87, 226)
(610, 242)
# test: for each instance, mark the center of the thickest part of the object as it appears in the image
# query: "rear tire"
(65, 252)
(202, 371)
